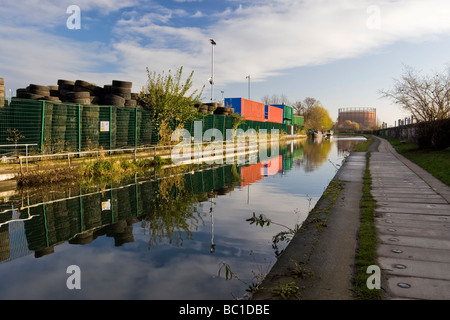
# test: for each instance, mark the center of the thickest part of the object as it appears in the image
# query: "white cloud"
(261, 38)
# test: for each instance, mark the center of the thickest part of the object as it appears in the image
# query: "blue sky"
(341, 52)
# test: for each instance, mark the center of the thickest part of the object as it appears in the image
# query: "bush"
(434, 134)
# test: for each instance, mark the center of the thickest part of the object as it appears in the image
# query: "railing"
(153, 150)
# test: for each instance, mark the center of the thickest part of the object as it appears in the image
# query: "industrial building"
(366, 117)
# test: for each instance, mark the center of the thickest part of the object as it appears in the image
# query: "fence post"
(135, 131)
(42, 126)
(79, 129)
(110, 129)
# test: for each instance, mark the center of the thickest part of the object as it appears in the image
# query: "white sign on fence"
(104, 126)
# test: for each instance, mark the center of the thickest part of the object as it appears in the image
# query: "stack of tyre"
(82, 92)
(119, 94)
(214, 108)
(217, 108)
(39, 92)
(2, 92)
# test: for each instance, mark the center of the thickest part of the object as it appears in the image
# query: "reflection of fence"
(63, 127)
(80, 217)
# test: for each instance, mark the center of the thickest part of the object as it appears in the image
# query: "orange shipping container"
(274, 114)
(250, 110)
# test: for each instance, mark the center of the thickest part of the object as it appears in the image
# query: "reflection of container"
(248, 109)
(2, 92)
(272, 166)
(273, 114)
(251, 174)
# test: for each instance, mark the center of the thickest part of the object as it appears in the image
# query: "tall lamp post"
(211, 80)
(248, 77)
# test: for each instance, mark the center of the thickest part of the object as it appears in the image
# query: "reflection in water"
(169, 208)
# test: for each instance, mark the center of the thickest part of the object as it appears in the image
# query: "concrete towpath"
(413, 227)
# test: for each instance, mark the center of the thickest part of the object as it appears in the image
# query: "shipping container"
(273, 114)
(298, 120)
(248, 109)
(288, 113)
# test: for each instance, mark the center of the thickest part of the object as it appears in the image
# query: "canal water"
(183, 233)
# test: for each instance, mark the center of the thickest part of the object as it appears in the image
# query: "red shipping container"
(250, 110)
(275, 114)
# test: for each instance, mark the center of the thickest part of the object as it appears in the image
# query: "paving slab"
(413, 227)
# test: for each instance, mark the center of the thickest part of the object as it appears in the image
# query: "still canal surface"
(165, 236)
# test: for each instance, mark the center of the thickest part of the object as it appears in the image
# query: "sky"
(341, 52)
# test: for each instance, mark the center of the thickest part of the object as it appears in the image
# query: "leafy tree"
(349, 126)
(318, 118)
(169, 98)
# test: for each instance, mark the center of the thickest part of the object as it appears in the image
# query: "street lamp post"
(211, 80)
(248, 77)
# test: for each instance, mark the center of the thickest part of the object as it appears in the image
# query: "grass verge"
(363, 146)
(101, 169)
(436, 162)
(367, 245)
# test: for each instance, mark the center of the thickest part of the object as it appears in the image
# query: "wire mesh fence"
(54, 127)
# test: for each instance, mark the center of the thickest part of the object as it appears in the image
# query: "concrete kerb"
(321, 260)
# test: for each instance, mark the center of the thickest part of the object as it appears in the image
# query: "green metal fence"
(56, 127)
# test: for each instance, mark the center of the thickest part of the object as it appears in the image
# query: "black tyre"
(95, 100)
(20, 92)
(113, 100)
(38, 87)
(130, 103)
(122, 84)
(34, 96)
(107, 88)
(120, 90)
(69, 96)
(220, 110)
(65, 82)
(53, 99)
(82, 101)
(66, 87)
(82, 83)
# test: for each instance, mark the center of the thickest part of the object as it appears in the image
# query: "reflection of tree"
(178, 198)
(345, 146)
(172, 211)
(315, 154)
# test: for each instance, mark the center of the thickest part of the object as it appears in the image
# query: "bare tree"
(311, 102)
(427, 98)
(299, 108)
(276, 99)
